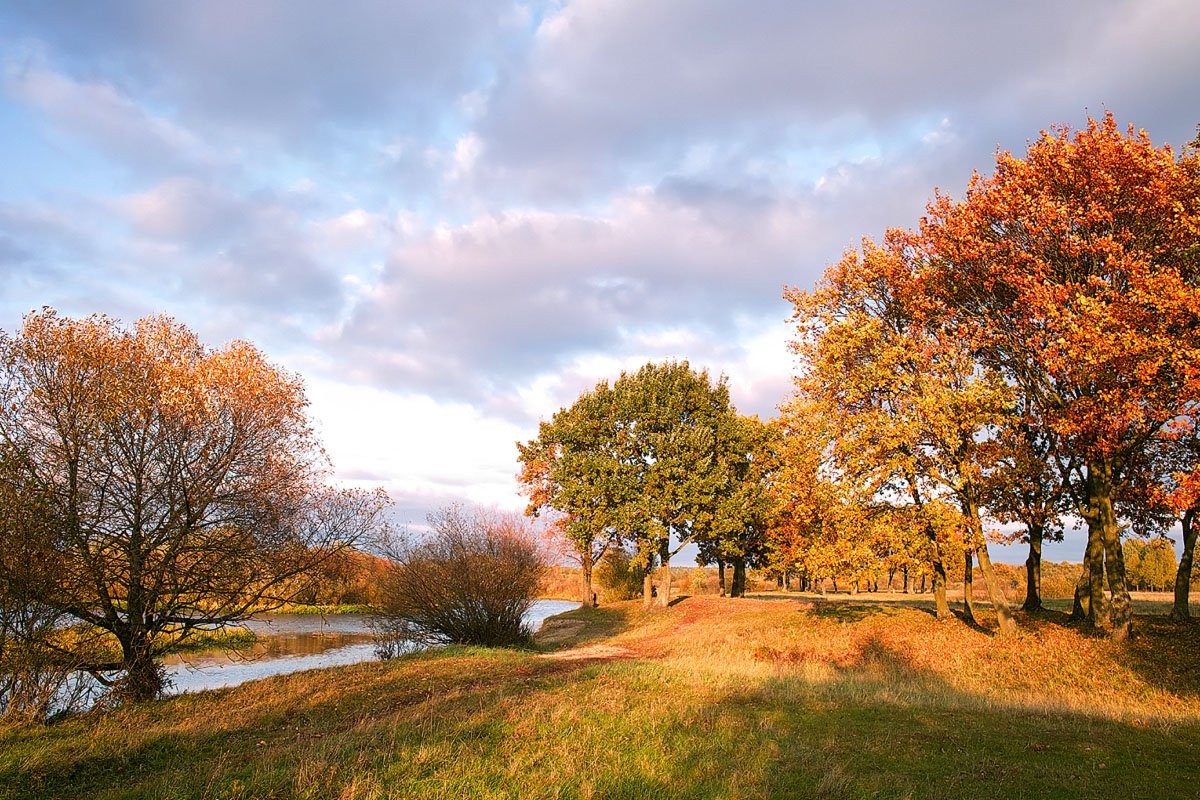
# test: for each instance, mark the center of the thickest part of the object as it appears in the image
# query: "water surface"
(295, 642)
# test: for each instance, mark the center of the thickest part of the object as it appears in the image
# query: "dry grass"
(711, 698)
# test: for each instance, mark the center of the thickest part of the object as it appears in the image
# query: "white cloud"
(97, 111)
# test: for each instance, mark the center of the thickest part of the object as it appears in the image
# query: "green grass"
(322, 610)
(227, 639)
(711, 698)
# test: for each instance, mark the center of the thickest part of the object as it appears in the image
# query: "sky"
(453, 217)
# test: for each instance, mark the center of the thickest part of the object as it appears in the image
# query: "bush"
(618, 577)
(39, 679)
(470, 581)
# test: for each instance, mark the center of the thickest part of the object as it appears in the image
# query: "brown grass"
(711, 698)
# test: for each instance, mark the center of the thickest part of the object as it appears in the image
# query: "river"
(292, 643)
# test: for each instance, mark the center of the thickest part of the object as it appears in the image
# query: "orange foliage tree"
(904, 404)
(1075, 272)
(181, 486)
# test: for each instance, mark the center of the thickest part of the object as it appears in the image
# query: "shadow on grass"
(472, 723)
(843, 611)
(584, 625)
(1166, 654)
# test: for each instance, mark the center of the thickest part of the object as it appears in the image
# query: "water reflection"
(293, 643)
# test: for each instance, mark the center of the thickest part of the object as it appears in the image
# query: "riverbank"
(711, 698)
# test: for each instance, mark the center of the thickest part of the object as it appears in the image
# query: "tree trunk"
(779, 582)
(721, 574)
(1101, 509)
(739, 577)
(999, 602)
(939, 590)
(143, 676)
(1081, 606)
(1183, 576)
(1033, 568)
(1089, 593)
(969, 587)
(588, 593)
(664, 574)
(905, 579)
(996, 596)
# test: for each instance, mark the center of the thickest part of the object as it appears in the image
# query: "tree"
(1175, 491)
(1075, 271)
(1151, 565)
(747, 460)
(1026, 487)
(575, 467)
(181, 486)
(472, 580)
(906, 407)
(643, 460)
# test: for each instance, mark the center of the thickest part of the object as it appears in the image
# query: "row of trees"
(150, 488)
(1029, 351)
(656, 460)
(1027, 354)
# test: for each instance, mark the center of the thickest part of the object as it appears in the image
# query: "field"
(712, 698)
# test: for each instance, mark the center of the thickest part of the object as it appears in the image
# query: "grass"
(225, 639)
(322, 610)
(712, 698)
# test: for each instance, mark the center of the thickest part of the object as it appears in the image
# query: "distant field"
(1148, 603)
(711, 698)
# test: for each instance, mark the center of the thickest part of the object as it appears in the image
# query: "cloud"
(276, 67)
(100, 113)
(472, 310)
(613, 90)
(459, 215)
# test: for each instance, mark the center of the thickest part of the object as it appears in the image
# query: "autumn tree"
(1174, 492)
(1075, 272)
(181, 487)
(470, 580)
(1026, 487)
(906, 407)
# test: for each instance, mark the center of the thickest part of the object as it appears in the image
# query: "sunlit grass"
(711, 698)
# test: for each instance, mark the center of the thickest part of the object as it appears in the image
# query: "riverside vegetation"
(709, 698)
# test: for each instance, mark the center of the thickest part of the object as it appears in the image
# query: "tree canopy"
(180, 487)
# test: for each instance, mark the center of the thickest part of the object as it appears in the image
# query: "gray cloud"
(473, 310)
(273, 66)
(614, 89)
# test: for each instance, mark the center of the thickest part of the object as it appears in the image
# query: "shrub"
(471, 580)
(618, 576)
(39, 677)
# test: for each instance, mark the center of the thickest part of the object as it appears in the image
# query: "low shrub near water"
(470, 581)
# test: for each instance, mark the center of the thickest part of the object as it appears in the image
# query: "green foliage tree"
(645, 460)
(745, 506)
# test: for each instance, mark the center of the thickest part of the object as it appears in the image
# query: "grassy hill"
(712, 698)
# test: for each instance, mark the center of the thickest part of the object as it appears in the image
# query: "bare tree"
(470, 581)
(181, 487)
